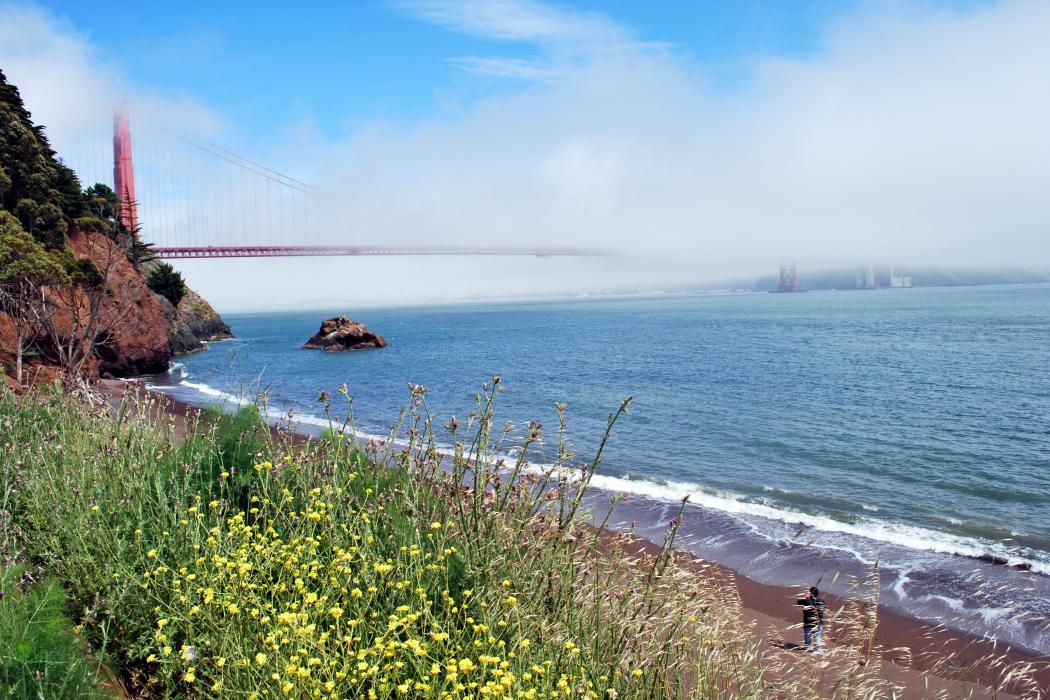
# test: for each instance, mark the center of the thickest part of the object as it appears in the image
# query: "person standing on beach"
(813, 608)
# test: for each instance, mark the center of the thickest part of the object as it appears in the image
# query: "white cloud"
(71, 88)
(912, 136)
(513, 68)
(60, 75)
(564, 37)
(517, 20)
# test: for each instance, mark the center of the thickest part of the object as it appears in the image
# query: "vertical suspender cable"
(175, 177)
(190, 191)
(155, 206)
(269, 214)
(205, 230)
(282, 232)
(212, 232)
(246, 211)
(191, 194)
(216, 237)
(176, 198)
(169, 219)
(149, 200)
(227, 200)
(231, 213)
(190, 186)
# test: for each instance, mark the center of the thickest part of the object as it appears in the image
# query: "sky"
(697, 141)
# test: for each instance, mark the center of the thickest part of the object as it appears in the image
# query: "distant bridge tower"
(123, 169)
(788, 278)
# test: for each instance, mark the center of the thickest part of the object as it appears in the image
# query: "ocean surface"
(815, 433)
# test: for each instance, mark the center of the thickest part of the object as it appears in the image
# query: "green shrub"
(40, 657)
(166, 281)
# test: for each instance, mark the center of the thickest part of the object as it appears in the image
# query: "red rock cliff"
(134, 327)
(137, 327)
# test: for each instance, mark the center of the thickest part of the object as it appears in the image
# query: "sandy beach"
(915, 654)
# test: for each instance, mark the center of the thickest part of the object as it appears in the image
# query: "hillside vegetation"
(233, 564)
(236, 562)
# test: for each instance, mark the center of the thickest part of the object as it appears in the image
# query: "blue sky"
(269, 65)
(701, 141)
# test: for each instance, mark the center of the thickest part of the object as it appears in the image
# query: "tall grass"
(40, 656)
(236, 562)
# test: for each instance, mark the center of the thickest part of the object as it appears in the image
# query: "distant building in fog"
(866, 277)
(880, 277)
(899, 280)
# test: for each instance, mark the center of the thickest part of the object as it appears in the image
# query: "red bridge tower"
(123, 169)
(788, 281)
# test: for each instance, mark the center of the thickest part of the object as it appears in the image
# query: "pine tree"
(166, 281)
(25, 267)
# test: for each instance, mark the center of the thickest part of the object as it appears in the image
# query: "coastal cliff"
(193, 323)
(141, 330)
(77, 294)
(134, 338)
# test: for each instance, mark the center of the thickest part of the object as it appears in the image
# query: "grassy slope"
(229, 564)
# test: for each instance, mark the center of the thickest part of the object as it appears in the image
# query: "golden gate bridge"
(192, 198)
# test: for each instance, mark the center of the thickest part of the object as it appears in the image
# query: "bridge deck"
(277, 251)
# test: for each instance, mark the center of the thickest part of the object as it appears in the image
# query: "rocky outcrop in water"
(340, 333)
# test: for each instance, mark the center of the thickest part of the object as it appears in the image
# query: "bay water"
(815, 433)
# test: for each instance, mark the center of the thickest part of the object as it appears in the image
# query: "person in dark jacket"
(813, 608)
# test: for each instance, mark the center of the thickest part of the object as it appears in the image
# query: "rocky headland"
(78, 298)
(141, 330)
(341, 333)
(193, 323)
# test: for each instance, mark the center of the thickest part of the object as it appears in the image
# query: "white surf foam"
(954, 604)
(898, 586)
(992, 615)
(900, 534)
(335, 425)
(200, 388)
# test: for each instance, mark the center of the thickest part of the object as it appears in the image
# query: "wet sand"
(924, 659)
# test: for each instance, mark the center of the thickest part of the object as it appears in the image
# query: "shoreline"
(912, 650)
